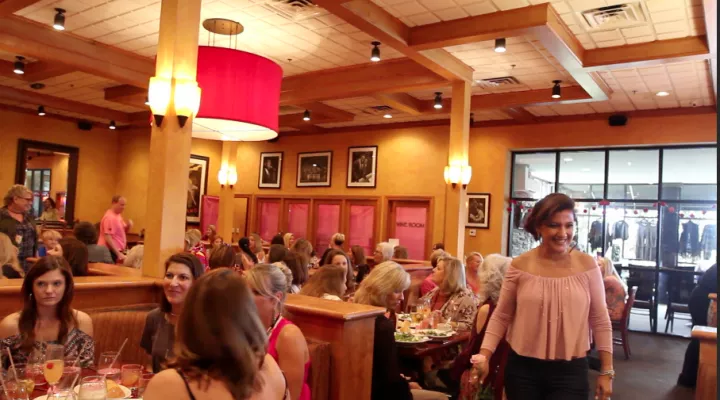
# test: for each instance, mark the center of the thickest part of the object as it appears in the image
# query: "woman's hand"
(603, 389)
(414, 385)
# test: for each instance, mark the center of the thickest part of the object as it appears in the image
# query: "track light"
(41, 111)
(59, 22)
(112, 125)
(306, 115)
(438, 101)
(19, 66)
(556, 90)
(387, 115)
(500, 45)
(375, 54)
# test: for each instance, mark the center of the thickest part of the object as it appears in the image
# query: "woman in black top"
(357, 255)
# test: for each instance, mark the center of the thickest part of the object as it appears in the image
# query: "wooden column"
(226, 215)
(456, 206)
(706, 386)
(169, 143)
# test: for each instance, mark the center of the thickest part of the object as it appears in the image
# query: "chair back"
(628, 305)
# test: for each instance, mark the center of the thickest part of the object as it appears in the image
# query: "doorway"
(410, 224)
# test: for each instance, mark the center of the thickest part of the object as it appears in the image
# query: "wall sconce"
(466, 175)
(232, 177)
(223, 177)
(159, 97)
(458, 174)
(187, 100)
(227, 176)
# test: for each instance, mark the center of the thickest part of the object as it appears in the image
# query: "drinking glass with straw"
(109, 369)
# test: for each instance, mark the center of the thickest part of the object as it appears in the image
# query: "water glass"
(130, 377)
(92, 388)
(16, 390)
(24, 376)
(105, 368)
(71, 367)
(144, 380)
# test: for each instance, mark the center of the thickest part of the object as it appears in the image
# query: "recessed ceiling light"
(662, 94)
(41, 111)
(629, 163)
(567, 159)
(500, 45)
(387, 115)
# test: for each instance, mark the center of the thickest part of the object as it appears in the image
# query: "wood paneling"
(646, 54)
(706, 388)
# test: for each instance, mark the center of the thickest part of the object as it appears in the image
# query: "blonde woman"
(288, 240)
(256, 245)
(472, 268)
(451, 297)
(194, 246)
(336, 243)
(8, 259)
(615, 289)
(384, 287)
(286, 343)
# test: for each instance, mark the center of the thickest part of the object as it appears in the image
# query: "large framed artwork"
(314, 169)
(197, 187)
(270, 170)
(478, 210)
(362, 167)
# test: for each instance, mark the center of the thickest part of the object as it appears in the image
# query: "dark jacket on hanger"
(620, 230)
(708, 243)
(690, 239)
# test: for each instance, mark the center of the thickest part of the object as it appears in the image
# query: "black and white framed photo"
(197, 186)
(314, 169)
(362, 167)
(478, 210)
(270, 170)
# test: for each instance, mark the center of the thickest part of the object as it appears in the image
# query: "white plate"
(442, 334)
(124, 389)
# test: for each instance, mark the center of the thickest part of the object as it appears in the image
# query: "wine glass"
(35, 365)
(106, 366)
(92, 388)
(54, 365)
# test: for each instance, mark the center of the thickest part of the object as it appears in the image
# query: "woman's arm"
(482, 318)
(84, 323)
(293, 355)
(503, 314)
(598, 314)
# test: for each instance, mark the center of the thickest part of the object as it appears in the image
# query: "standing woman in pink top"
(551, 301)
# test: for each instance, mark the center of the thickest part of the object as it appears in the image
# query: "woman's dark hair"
(438, 246)
(278, 239)
(51, 201)
(75, 253)
(298, 266)
(358, 255)
(28, 315)
(545, 209)
(328, 279)
(189, 260)
(223, 256)
(350, 276)
(244, 245)
(276, 253)
(234, 329)
(400, 252)
(86, 233)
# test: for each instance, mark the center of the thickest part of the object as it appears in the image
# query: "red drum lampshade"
(240, 95)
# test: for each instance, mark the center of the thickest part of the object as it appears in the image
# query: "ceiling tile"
(637, 31)
(668, 27)
(668, 15)
(409, 8)
(424, 19)
(451, 14)
(434, 5)
(485, 7)
(510, 4)
(582, 5)
(606, 35)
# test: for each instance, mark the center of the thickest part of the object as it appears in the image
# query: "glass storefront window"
(533, 175)
(632, 233)
(520, 240)
(690, 174)
(582, 174)
(633, 174)
(588, 229)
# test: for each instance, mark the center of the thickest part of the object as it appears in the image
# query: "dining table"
(412, 355)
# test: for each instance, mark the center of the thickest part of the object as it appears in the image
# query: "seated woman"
(357, 258)
(327, 283)
(8, 259)
(221, 354)
(305, 250)
(400, 253)
(134, 257)
(210, 234)
(222, 257)
(245, 257)
(76, 254)
(286, 343)
(256, 245)
(86, 233)
(50, 211)
(277, 253)
(217, 242)
(338, 258)
(297, 265)
(277, 239)
(51, 245)
(384, 287)
(194, 246)
(615, 289)
(472, 268)
(492, 273)
(47, 316)
(336, 243)
(288, 240)
(158, 337)
(428, 284)
(452, 298)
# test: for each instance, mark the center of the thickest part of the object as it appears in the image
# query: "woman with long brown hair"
(357, 258)
(338, 258)
(220, 354)
(47, 316)
(327, 283)
(76, 254)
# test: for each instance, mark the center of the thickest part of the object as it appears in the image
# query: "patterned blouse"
(199, 252)
(614, 297)
(77, 343)
(461, 307)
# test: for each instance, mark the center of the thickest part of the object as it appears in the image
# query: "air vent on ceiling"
(377, 110)
(295, 10)
(497, 82)
(614, 17)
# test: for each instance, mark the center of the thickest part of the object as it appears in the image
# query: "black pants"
(534, 379)
(698, 305)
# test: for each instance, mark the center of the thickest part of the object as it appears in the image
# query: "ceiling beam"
(402, 102)
(24, 96)
(646, 54)
(49, 114)
(390, 31)
(127, 94)
(571, 94)
(9, 7)
(319, 113)
(35, 71)
(519, 114)
(23, 37)
(318, 108)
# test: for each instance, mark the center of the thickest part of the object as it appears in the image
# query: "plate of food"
(410, 338)
(436, 333)
(404, 317)
(114, 391)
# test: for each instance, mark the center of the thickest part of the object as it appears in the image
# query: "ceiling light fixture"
(19, 66)
(306, 115)
(375, 54)
(41, 111)
(112, 125)
(662, 94)
(567, 159)
(500, 45)
(387, 115)
(438, 101)
(556, 89)
(59, 22)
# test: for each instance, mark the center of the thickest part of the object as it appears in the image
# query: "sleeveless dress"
(272, 350)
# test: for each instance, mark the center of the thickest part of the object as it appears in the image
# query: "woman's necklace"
(272, 325)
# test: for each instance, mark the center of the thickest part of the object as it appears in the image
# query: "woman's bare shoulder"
(9, 325)
(586, 261)
(524, 261)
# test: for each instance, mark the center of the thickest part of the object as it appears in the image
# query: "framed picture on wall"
(270, 170)
(197, 187)
(362, 167)
(478, 210)
(314, 169)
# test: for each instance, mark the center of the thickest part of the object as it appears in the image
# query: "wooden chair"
(622, 325)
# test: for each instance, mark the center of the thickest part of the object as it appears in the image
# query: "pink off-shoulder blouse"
(550, 318)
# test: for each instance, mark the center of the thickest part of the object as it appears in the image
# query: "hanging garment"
(646, 241)
(708, 243)
(690, 240)
(595, 235)
(620, 230)
(670, 230)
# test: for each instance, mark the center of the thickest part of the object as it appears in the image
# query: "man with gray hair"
(113, 229)
(383, 252)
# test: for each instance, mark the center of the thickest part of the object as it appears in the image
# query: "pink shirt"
(272, 350)
(113, 225)
(427, 285)
(550, 318)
